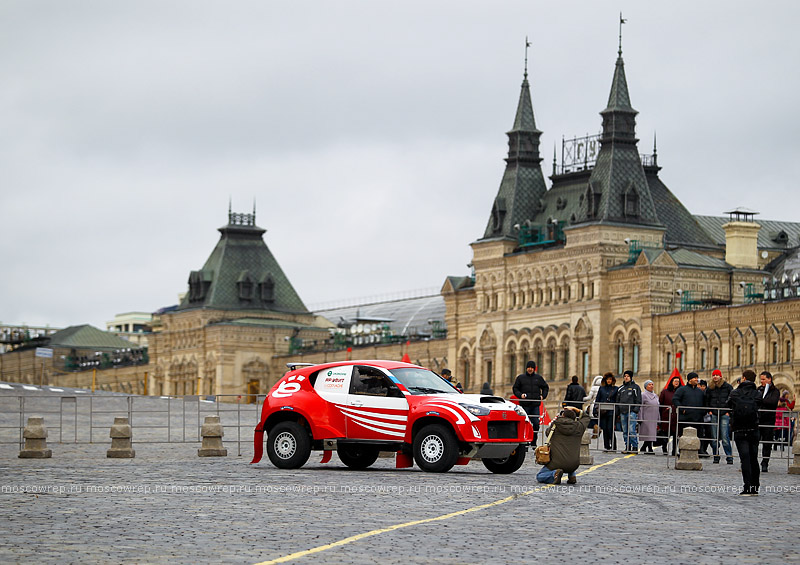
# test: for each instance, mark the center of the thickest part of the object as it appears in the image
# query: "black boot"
(764, 466)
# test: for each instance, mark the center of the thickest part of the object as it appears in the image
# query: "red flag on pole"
(544, 418)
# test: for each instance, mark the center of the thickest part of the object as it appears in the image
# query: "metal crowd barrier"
(709, 432)
(88, 418)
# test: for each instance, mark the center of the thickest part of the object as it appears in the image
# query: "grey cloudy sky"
(370, 133)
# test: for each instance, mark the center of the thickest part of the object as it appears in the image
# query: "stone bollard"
(212, 438)
(689, 445)
(794, 468)
(121, 440)
(586, 457)
(35, 435)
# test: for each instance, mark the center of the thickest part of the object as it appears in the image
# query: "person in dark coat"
(486, 389)
(575, 394)
(689, 400)
(629, 401)
(745, 431)
(717, 395)
(531, 388)
(606, 397)
(448, 376)
(669, 416)
(565, 446)
(766, 417)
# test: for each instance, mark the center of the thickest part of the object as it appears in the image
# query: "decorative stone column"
(121, 434)
(794, 468)
(586, 457)
(689, 444)
(212, 438)
(35, 435)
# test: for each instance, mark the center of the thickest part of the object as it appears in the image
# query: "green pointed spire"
(617, 190)
(522, 188)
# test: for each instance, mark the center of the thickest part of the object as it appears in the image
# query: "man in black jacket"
(575, 394)
(717, 395)
(766, 417)
(744, 403)
(531, 388)
(629, 400)
(689, 401)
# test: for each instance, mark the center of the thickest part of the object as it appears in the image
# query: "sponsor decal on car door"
(375, 408)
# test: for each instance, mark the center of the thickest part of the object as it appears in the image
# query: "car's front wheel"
(508, 464)
(357, 456)
(435, 448)
(288, 445)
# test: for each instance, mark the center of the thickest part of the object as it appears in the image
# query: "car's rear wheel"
(357, 456)
(508, 464)
(288, 445)
(435, 448)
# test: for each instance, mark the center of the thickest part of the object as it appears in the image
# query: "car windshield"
(422, 381)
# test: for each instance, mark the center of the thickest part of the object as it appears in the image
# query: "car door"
(376, 408)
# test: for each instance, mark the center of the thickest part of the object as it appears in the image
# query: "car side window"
(369, 381)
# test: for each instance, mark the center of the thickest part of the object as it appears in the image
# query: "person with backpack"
(744, 403)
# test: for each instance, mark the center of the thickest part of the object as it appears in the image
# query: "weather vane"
(621, 21)
(527, 44)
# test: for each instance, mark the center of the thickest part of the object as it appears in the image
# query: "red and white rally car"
(359, 408)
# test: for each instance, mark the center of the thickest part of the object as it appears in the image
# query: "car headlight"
(476, 410)
(520, 410)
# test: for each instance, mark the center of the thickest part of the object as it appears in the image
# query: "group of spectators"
(715, 410)
(696, 403)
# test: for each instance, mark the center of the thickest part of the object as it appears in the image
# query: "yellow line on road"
(358, 537)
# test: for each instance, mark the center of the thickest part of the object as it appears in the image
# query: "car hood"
(490, 402)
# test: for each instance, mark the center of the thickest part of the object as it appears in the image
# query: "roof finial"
(527, 44)
(554, 158)
(254, 209)
(621, 21)
(230, 209)
(655, 151)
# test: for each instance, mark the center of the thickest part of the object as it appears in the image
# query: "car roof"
(382, 363)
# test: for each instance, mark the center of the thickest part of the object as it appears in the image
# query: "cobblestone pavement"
(167, 504)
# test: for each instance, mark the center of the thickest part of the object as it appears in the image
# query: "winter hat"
(531, 365)
(716, 372)
(648, 382)
(691, 376)
(702, 383)
(629, 373)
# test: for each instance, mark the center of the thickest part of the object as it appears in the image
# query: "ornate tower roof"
(521, 191)
(242, 274)
(617, 190)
